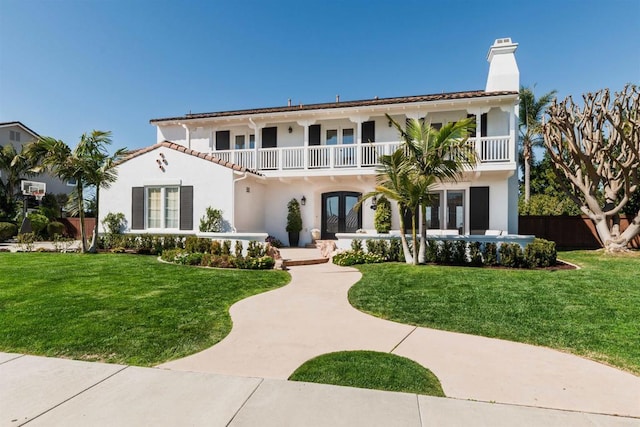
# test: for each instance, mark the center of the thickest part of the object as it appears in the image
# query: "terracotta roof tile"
(343, 104)
(183, 149)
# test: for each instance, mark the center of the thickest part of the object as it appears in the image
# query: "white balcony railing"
(490, 150)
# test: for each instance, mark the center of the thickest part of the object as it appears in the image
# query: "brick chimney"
(503, 69)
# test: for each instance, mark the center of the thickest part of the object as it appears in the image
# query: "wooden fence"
(569, 232)
(72, 226)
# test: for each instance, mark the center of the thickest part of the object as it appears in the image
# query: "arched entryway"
(338, 213)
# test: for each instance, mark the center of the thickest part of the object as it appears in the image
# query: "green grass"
(369, 369)
(128, 309)
(594, 312)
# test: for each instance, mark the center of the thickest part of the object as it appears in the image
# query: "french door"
(338, 213)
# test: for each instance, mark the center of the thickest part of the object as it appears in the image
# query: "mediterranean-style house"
(19, 135)
(250, 163)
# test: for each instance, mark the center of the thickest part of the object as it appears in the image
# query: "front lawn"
(369, 369)
(594, 312)
(128, 309)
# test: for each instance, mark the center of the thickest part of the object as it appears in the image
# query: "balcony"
(491, 151)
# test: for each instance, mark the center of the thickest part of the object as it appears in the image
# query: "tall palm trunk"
(93, 248)
(414, 238)
(83, 236)
(403, 238)
(423, 234)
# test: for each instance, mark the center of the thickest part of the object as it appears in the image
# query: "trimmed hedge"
(7, 230)
(540, 253)
(181, 256)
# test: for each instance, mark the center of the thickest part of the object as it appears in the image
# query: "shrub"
(490, 254)
(395, 250)
(431, 254)
(216, 248)
(7, 230)
(294, 218)
(540, 253)
(226, 247)
(26, 241)
(445, 252)
(142, 243)
(382, 216)
(61, 243)
(55, 228)
(356, 245)
(114, 223)
(370, 245)
(255, 249)
(381, 248)
(212, 221)
(171, 254)
(511, 255)
(459, 255)
(238, 249)
(276, 243)
(348, 258)
(218, 261)
(38, 223)
(196, 244)
(475, 254)
(256, 263)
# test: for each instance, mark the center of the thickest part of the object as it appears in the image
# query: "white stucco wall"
(249, 205)
(212, 184)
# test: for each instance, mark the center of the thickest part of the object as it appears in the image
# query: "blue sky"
(67, 67)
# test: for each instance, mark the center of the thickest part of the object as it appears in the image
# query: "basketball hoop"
(39, 195)
(33, 188)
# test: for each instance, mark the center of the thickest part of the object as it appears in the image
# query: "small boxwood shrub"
(238, 249)
(356, 245)
(255, 249)
(475, 254)
(490, 254)
(378, 247)
(257, 263)
(540, 253)
(348, 258)
(7, 230)
(197, 244)
(511, 255)
(431, 254)
(55, 228)
(39, 223)
(395, 250)
(459, 256)
(445, 252)
(142, 243)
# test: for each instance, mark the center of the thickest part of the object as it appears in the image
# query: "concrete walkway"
(275, 332)
(39, 391)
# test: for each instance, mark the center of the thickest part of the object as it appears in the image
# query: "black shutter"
(270, 137)
(483, 125)
(186, 207)
(314, 135)
(368, 132)
(137, 208)
(222, 140)
(472, 132)
(436, 126)
(479, 209)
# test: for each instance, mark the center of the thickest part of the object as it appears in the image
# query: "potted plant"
(294, 222)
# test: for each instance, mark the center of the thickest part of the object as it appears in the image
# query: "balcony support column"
(257, 127)
(358, 120)
(305, 125)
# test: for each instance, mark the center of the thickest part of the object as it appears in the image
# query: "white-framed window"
(14, 135)
(447, 210)
(72, 182)
(339, 136)
(242, 141)
(163, 207)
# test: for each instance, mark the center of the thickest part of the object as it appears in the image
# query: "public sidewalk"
(39, 391)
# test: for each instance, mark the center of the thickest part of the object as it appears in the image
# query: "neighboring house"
(250, 163)
(18, 135)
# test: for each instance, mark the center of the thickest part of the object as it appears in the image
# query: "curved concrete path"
(275, 332)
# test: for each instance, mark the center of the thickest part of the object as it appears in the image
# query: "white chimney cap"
(504, 45)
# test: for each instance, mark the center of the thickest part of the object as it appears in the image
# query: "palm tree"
(436, 155)
(87, 164)
(16, 167)
(530, 126)
(101, 174)
(397, 180)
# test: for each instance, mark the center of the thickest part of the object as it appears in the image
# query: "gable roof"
(19, 124)
(183, 149)
(343, 104)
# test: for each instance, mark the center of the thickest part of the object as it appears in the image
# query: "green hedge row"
(539, 253)
(183, 257)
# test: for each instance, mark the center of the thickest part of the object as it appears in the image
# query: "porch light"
(374, 204)
(303, 201)
(290, 129)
